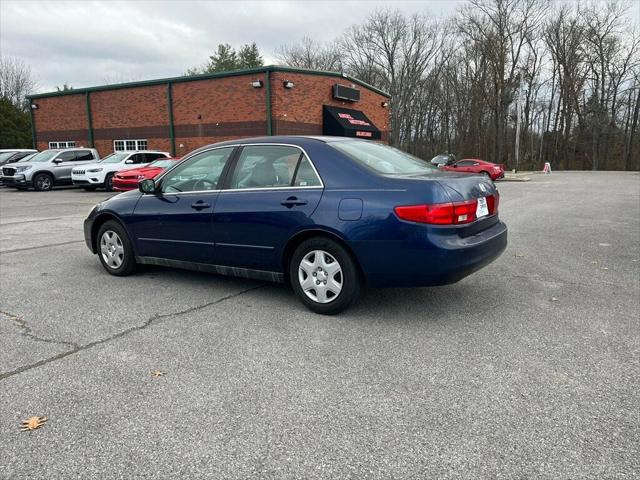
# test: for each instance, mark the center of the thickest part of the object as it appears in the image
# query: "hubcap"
(111, 249)
(320, 276)
(44, 182)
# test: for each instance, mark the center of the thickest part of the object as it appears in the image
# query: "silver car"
(47, 168)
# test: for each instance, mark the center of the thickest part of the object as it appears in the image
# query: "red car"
(474, 165)
(128, 179)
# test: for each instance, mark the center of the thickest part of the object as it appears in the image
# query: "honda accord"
(328, 215)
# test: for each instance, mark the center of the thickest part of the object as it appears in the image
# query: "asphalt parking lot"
(526, 369)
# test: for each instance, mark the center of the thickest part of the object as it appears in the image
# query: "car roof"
(140, 151)
(293, 139)
(5, 150)
(67, 149)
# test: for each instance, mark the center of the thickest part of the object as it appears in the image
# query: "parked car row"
(24, 169)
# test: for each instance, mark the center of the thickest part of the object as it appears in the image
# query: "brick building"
(183, 113)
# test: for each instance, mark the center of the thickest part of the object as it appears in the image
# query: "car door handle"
(292, 202)
(200, 205)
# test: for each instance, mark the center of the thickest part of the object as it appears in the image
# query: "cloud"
(92, 43)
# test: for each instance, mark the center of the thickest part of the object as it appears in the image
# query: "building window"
(62, 144)
(129, 145)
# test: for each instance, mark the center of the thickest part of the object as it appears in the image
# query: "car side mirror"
(57, 160)
(147, 185)
(128, 161)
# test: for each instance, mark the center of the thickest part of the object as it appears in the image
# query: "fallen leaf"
(33, 423)
(519, 255)
(594, 262)
(605, 268)
(157, 373)
(554, 299)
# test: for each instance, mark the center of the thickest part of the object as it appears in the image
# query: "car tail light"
(456, 213)
(492, 203)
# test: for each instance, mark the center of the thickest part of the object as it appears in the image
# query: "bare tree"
(310, 54)
(16, 81)
(572, 71)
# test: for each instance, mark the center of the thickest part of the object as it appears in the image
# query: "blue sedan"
(327, 215)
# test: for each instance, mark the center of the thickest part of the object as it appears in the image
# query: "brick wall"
(210, 111)
(61, 119)
(298, 111)
(204, 112)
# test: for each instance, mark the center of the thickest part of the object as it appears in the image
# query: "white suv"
(100, 174)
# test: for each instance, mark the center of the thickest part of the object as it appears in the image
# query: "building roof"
(208, 76)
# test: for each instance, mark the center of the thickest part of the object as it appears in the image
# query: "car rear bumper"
(430, 256)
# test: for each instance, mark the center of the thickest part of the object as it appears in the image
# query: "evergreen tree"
(226, 59)
(249, 56)
(15, 126)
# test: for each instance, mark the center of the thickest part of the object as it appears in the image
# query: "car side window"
(269, 166)
(136, 158)
(150, 157)
(200, 172)
(84, 155)
(464, 163)
(306, 176)
(67, 156)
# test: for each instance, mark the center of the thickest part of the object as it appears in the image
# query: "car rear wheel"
(42, 182)
(324, 276)
(108, 182)
(114, 249)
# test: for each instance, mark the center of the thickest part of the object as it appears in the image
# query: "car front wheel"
(114, 249)
(42, 182)
(108, 182)
(324, 276)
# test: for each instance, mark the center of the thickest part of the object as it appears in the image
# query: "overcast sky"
(93, 43)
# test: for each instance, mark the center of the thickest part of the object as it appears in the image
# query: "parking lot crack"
(75, 348)
(26, 330)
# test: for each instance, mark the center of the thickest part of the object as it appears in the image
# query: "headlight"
(140, 177)
(23, 169)
(94, 170)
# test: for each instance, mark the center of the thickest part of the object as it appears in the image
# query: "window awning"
(346, 122)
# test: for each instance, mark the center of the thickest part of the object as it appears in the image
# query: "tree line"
(519, 82)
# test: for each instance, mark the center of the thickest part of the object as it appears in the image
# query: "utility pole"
(518, 122)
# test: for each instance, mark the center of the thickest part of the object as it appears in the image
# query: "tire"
(319, 254)
(42, 182)
(487, 174)
(114, 249)
(108, 182)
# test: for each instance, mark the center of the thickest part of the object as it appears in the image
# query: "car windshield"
(6, 155)
(44, 156)
(27, 158)
(384, 159)
(114, 158)
(162, 163)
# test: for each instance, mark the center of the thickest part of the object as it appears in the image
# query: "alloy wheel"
(43, 182)
(320, 276)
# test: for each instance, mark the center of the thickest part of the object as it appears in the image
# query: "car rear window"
(384, 159)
